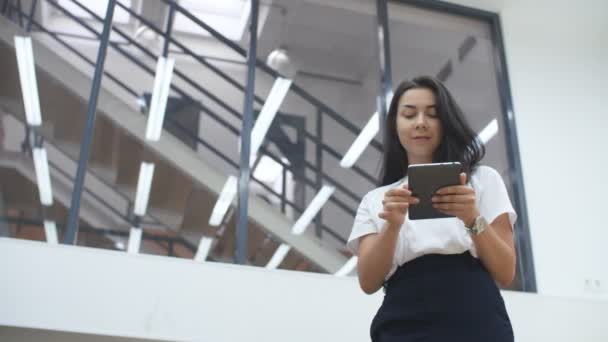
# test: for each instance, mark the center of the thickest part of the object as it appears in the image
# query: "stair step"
(107, 174)
(171, 219)
(70, 148)
(129, 160)
(105, 145)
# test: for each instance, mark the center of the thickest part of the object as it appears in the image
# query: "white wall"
(557, 61)
(101, 292)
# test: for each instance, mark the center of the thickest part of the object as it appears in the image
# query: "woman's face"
(418, 125)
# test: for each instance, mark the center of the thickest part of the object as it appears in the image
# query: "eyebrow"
(414, 107)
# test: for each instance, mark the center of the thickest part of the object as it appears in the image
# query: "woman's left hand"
(457, 200)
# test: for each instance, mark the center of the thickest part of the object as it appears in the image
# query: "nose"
(421, 121)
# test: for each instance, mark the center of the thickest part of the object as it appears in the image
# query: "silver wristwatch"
(478, 227)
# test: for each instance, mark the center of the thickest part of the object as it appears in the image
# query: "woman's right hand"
(395, 205)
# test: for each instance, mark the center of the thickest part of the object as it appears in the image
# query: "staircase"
(188, 179)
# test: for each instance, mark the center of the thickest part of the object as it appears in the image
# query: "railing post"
(283, 189)
(245, 174)
(5, 6)
(87, 138)
(169, 28)
(26, 146)
(32, 14)
(170, 249)
(384, 54)
(319, 178)
(19, 13)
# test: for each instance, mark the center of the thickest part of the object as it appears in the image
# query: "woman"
(438, 275)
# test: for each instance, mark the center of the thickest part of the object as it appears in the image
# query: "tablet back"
(424, 180)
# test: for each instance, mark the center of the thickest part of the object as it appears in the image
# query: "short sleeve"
(494, 198)
(364, 224)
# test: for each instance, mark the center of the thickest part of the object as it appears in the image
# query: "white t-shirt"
(436, 236)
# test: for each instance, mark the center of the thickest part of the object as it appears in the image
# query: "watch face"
(480, 225)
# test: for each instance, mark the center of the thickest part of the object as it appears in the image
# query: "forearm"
(496, 255)
(376, 258)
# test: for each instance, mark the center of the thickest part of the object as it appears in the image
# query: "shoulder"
(487, 178)
(484, 173)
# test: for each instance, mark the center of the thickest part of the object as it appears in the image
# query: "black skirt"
(442, 298)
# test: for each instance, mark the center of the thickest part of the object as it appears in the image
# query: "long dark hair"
(458, 143)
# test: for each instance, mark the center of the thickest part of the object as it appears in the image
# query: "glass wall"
(461, 51)
(329, 50)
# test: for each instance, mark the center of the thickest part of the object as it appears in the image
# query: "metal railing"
(323, 112)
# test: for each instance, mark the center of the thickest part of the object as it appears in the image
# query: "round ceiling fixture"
(280, 61)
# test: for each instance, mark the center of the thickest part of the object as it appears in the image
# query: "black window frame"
(523, 245)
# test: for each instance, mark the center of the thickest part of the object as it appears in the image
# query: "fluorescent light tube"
(269, 111)
(313, 208)
(160, 95)
(27, 77)
(223, 201)
(144, 183)
(43, 177)
(134, 240)
(348, 267)
(365, 137)
(278, 256)
(204, 247)
(50, 230)
(488, 132)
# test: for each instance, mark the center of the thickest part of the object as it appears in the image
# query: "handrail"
(322, 107)
(260, 64)
(271, 155)
(191, 53)
(336, 201)
(90, 193)
(315, 102)
(100, 179)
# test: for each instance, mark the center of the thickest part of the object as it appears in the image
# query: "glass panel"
(459, 51)
(329, 50)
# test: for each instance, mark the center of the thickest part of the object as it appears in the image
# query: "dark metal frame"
(523, 239)
(384, 57)
(87, 137)
(245, 171)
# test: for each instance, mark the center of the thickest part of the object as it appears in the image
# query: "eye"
(409, 113)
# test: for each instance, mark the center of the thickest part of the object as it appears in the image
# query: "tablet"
(424, 180)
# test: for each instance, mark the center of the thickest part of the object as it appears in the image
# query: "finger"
(396, 206)
(456, 213)
(450, 206)
(463, 178)
(399, 199)
(468, 198)
(385, 215)
(398, 192)
(455, 190)
(391, 199)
